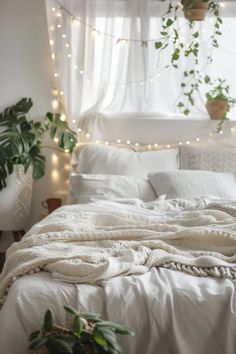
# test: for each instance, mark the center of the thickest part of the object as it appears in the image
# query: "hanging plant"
(195, 10)
(171, 36)
(219, 101)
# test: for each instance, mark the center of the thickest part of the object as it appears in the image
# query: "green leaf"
(98, 337)
(158, 45)
(186, 112)
(118, 328)
(77, 325)
(207, 79)
(48, 321)
(59, 346)
(71, 310)
(169, 22)
(34, 335)
(90, 316)
(38, 343)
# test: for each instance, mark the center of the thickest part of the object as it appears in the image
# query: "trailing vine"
(195, 77)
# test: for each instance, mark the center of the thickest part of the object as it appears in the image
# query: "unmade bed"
(136, 251)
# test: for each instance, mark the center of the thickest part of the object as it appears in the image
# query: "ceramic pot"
(217, 109)
(51, 204)
(15, 200)
(195, 10)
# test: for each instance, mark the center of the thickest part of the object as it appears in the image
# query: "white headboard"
(147, 129)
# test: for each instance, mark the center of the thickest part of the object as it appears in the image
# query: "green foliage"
(89, 334)
(171, 37)
(21, 139)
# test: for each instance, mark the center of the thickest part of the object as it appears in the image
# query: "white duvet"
(170, 311)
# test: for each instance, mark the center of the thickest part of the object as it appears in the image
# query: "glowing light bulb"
(67, 45)
(81, 72)
(61, 93)
(222, 4)
(221, 132)
(149, 147)
(151, 80)
(106, 143)
(64, 35)
(128, 142)
(53, 56)
(59, 25)
(53, 9)
(54, 104)
(76, 67)
(69, 55)
(59, 14)
(180, 143)
(118, 141)
(87, 135)
(156, 145)
(133, 84)
(136, 144)
(51, 42)
(187, 142)
(198, 139)
(141, 83)
(54, 159)
(63, 118)
(79, 130)
(168, 146)
(97, 141)
(67, 151)
(56, 140)
(55, 74)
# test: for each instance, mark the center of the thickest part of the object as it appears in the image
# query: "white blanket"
(97, 241)
(171, 312)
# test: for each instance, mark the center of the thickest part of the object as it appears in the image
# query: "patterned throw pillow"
(217, 158)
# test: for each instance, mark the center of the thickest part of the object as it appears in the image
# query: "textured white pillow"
(99, 159)
(191, 184)
(206, 156)
(86, 188)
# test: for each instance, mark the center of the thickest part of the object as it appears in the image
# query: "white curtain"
(96, 70)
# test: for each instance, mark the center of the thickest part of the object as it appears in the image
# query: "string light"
(63, 118)
(51, 42)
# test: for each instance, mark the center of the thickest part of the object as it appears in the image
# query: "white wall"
(26, 71)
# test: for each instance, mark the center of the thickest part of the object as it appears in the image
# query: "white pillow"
(190, 184)
(99, 159)
(87, 188)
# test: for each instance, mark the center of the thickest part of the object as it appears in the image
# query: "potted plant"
(89, 335)
(219, 101)
(195, 10)
(21, 158)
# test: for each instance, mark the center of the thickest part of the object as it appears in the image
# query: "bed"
(144, 242)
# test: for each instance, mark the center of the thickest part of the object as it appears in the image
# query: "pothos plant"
(219, 94)
(89, 335)
(171, 37)
(21, 139)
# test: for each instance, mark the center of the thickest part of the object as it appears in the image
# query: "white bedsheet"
(176, 314)
(170, 311)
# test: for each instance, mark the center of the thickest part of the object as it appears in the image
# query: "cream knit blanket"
(94, 242)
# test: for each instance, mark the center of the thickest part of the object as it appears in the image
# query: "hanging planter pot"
(217, 108)
(195, 10)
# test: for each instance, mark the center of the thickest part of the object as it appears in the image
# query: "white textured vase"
(15, 200)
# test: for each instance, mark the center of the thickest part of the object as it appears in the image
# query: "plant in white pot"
(21, 158)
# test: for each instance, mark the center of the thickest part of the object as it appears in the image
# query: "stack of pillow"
(105, 173)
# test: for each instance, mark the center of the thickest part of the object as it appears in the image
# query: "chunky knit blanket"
(94, 242)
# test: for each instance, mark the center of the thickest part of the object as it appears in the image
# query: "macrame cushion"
(218, 157)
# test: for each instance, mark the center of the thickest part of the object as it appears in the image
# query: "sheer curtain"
(105, 59)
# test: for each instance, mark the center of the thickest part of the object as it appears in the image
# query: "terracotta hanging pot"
(195, 10)
(217, 109)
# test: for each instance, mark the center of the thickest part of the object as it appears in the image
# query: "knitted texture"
(97, 241)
